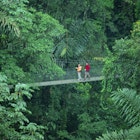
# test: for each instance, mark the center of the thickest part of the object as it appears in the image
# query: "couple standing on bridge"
(79, 70)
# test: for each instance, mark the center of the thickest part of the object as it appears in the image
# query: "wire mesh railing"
(70, 72)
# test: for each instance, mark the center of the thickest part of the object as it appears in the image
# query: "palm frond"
(127, 101)
(131, 134)
(121, 135)
(8, 25)
(134, 133)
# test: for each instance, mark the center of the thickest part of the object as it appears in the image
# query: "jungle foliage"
(122, 69)
(27, 36)
(14, 124)
(34, 34)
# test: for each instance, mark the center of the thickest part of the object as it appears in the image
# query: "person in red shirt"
(87, 69)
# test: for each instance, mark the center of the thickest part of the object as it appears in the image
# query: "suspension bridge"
(69, 81)
(70, 75)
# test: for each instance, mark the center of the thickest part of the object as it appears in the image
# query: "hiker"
(87, 69)
(79, 69)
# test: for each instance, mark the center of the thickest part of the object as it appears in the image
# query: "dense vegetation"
(34, 34)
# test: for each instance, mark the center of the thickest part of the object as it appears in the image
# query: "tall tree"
(122, 67)
(86, 25)
(121, 74)
(22, 55)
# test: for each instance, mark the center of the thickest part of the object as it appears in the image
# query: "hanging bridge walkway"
(68, 81)
(70, 75)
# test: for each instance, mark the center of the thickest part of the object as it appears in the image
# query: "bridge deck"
(60, 82)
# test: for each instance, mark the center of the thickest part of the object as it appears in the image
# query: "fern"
(127, 102)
